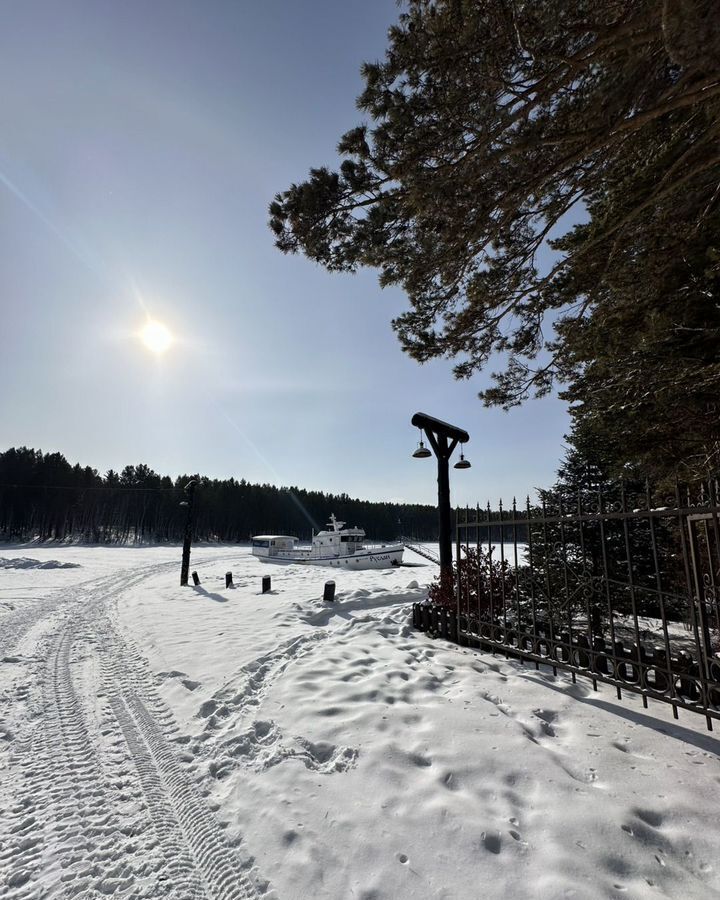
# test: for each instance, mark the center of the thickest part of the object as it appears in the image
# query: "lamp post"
(188, 504)
(443, 438)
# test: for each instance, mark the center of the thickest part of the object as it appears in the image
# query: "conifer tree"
(499, 127)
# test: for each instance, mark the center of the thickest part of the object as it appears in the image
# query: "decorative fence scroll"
(619, 585)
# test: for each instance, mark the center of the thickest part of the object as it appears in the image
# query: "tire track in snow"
(85, 810)
(22, 832)
(85, 783)
(186, 827)
(87, 791)
(15, 625)
(179, 811)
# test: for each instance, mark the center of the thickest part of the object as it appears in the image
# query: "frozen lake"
(159, 741)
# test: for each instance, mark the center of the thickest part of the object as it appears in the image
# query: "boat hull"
(382, 558)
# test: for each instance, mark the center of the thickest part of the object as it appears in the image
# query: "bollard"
(329, 592)
(266, 584)
(195, 578)
(228, 580)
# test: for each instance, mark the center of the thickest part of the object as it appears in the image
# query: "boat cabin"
(338, 541)
(272, 544)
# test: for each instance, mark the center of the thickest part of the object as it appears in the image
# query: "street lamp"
(422, 451)
(462, 463)
(188, 504)
(443, 438)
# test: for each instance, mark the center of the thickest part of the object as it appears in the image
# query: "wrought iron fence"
(619, 585)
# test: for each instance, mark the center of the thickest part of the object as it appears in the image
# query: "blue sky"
(141, 144)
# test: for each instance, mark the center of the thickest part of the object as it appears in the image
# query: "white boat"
(339, 547)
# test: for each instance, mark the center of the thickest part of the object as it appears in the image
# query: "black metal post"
(443, 438)
(188, 504)
(701, 617)
(443, 481)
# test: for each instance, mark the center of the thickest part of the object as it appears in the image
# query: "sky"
(140, 146)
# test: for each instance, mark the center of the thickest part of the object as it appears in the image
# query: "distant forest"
(44, 497)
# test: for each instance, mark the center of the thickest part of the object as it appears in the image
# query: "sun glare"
(156, 337)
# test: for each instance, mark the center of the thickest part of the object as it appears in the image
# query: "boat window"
(261, 543)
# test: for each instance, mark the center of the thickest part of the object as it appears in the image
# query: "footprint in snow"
(547, 715)
(650, 817)
(450, 782)
(420, 760)
(163, 676)
(207, 709)
(516, 836)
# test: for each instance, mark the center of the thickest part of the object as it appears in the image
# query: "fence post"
(266, 584)
(189, 490)
(228, 580)
(195, 578)
(329, 592)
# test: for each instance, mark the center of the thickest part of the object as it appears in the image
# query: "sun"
(156, 337)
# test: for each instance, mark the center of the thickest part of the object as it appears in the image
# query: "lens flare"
(156, 337)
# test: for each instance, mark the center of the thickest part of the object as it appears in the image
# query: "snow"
(159, 741)
(24, 562)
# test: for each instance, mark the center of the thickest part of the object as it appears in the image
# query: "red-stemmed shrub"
(482, 578)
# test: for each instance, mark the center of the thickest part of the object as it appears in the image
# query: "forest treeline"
(44, 497)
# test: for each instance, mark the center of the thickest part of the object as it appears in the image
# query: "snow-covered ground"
(159, 741)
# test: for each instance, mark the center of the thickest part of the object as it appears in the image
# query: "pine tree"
(495, 126)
